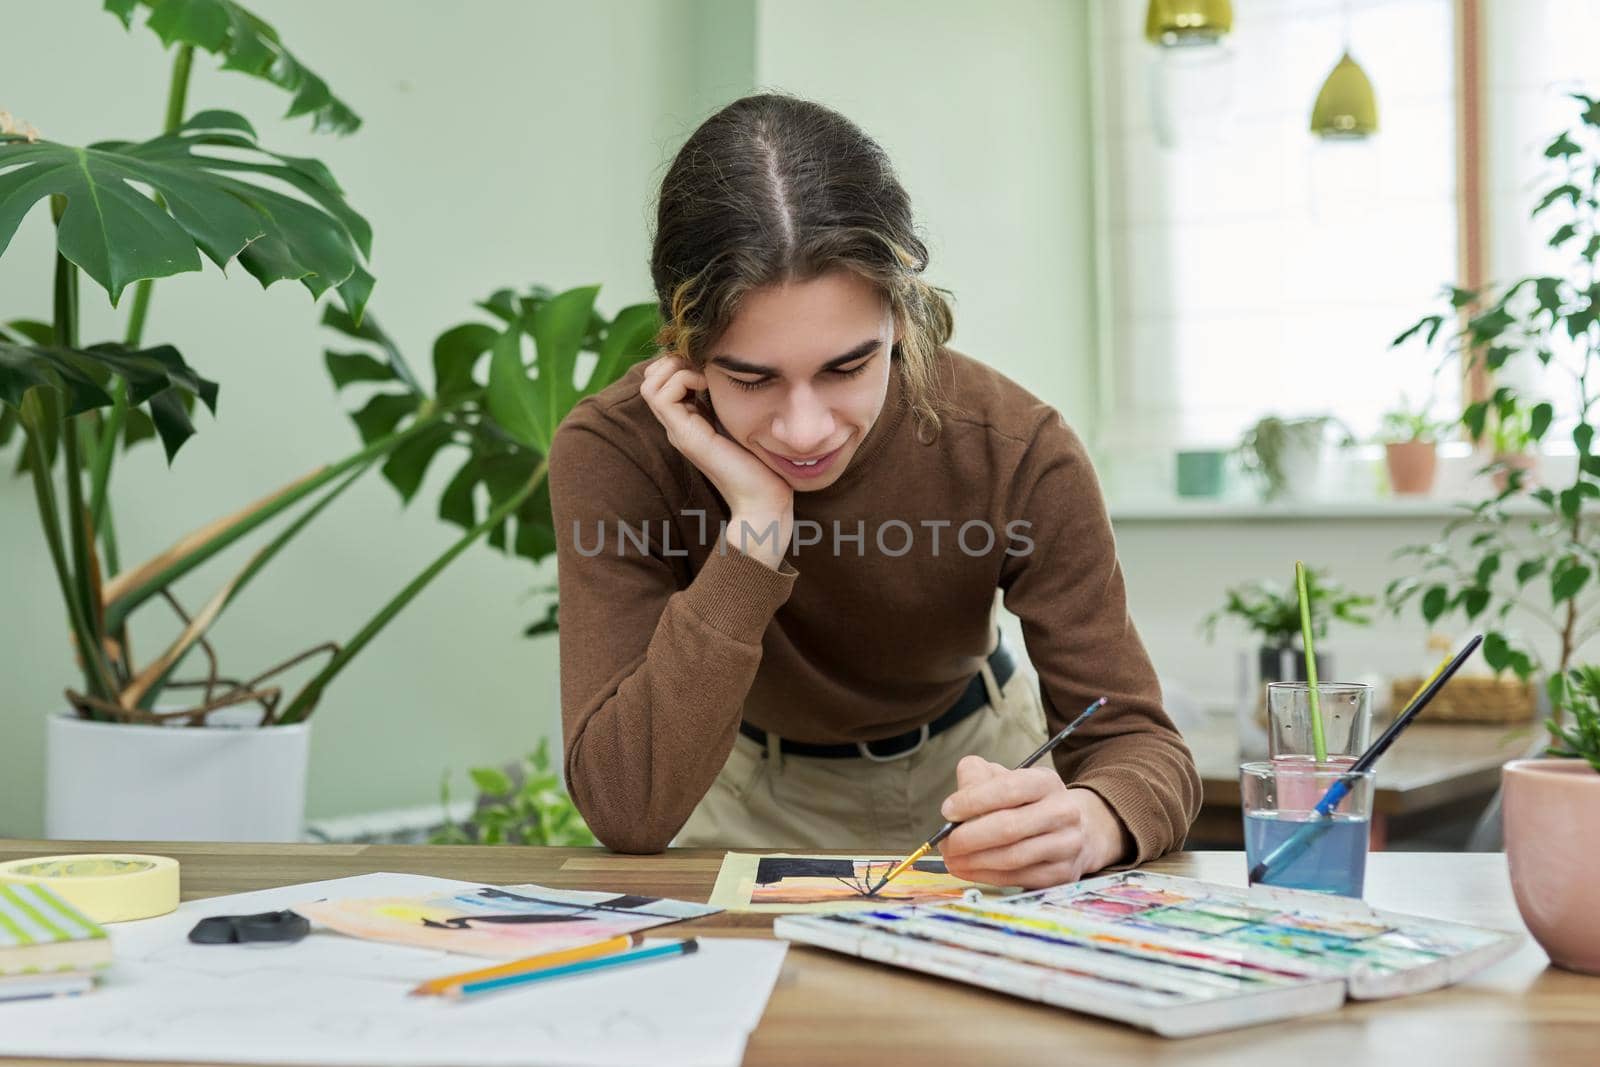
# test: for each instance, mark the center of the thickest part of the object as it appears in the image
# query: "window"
(1538, 52)
(1249, 267)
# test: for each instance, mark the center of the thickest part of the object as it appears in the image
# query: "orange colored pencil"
(443, 986)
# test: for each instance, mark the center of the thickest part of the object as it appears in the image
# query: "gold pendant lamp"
(1346, 108)
(1177, 23)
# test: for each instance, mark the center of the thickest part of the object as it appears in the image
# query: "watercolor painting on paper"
(500, 922)
(788, 883)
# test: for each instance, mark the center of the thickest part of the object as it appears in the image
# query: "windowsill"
(1181, 510)
(1380, 509)
(1349, 487)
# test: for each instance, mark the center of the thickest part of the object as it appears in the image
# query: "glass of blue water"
(1304, 849)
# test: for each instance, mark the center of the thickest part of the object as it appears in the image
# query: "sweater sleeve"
(1067, 590)
(653, 676)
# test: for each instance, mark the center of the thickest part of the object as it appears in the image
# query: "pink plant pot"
(1521, 461)
(1552, 821)
(1412, 465)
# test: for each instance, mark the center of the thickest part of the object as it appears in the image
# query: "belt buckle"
(867, 753)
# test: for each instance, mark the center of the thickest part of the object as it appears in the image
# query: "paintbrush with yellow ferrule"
(944, 831)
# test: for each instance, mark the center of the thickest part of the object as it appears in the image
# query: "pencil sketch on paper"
(786, 883)
(502, 922)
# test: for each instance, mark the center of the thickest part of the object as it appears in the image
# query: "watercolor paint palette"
(1172, 955)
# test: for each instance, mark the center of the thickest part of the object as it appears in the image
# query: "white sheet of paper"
(335, 1000)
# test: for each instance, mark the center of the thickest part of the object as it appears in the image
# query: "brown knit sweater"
(878, 620)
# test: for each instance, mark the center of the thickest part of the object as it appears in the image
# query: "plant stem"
(38, 413)
(186, 557)
(258, 561)
(178, 88)
(306, 701)
(105, 451)
(79, 591)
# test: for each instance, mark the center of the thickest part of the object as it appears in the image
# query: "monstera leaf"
(246, 44)
(546, 351)
(118, 234)
(529, 406)
(158, 380)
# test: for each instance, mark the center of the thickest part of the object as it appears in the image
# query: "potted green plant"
(1497, 566)
(1552, 819)
(1271, 611)
(524, 804)
(127, 213)
(1513, 448)
(73, 407)
(1286, 455)
(1410, 437)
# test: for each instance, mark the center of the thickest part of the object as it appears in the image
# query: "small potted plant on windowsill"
(1286, 455)
(1513, 448)
(1410, 439)
(1552, 820)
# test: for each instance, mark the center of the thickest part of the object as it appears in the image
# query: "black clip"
(237, 929)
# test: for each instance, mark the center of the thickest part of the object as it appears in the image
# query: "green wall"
(985, 110)
(507, 143)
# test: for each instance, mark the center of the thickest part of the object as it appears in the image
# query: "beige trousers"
(771, 801)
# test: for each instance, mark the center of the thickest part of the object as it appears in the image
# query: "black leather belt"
(974, 697)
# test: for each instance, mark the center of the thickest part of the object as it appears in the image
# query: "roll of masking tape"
(109, 888)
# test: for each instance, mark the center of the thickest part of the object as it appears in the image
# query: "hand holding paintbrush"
(949, 827)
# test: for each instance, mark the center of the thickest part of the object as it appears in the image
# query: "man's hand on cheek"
(1026, 828)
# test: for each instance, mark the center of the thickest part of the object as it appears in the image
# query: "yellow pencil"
(450, 982)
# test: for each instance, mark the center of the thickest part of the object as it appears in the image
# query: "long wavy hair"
(774, 189)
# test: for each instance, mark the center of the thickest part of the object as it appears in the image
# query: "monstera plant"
(499, 422)
(129, 212)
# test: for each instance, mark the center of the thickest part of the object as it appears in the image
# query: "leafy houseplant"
(1499, 564)
(1579, 739)
(1285, 454)
(504, 419)
(1272, 612)
(213, 191)
(1492, 560)
(77, 405)
(528, 809)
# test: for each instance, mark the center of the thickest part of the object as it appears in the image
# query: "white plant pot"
(1303, 471)
(120, 781)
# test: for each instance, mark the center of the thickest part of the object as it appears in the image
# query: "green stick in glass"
(1319, 744)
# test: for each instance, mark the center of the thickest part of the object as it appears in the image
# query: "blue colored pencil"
(1301, 839)
(653, 952)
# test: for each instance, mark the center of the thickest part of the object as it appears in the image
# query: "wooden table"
(1434, 771)
(830, 1009)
